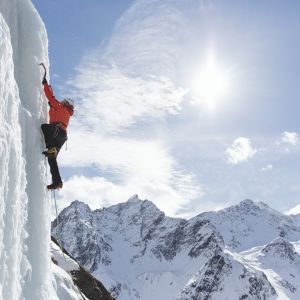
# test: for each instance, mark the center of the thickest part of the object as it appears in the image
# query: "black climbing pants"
(54, 137)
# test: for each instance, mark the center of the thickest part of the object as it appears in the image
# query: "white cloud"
(129, 157)
(240, 151)
(132, 166)
(289, 138)
(147, 39)
(112, 100)
(131, 81)
(99, 192)
(136, 74)
(267, 168)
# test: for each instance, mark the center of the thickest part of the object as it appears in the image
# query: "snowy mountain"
(128, 238)
(251, 224)
(139, 253)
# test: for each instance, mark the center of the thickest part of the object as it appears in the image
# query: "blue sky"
(74, 28)
(193, 105)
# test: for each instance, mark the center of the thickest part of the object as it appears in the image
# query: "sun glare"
(210, 84)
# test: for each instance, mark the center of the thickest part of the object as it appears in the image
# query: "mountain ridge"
(140, 253)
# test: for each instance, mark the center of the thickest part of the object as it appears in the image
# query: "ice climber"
(55, 133)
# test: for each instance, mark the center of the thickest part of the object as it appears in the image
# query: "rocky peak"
(214, 281)
(247, 203)
(130, 213)
(241, 225)
(281, 248)
(251, 207)
(76, 211)
(77, 207)
(248, 206)
(133, 199)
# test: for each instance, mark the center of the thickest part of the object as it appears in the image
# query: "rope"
(46, 169)
(60, 246)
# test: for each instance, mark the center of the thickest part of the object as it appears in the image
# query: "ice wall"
(13, 199)
(25, 271)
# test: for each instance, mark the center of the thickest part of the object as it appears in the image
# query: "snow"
(63, 284)
(295, 210)
(283, 272)
(62, 281)
(232, 281)
(126, 247)
(139, 253)
(241, 225)
(12, 177)
(25, 259)
(63, 260)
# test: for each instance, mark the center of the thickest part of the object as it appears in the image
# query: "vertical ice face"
(13, 199)
(24, 207)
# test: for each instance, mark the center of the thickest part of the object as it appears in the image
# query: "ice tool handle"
(45, 70)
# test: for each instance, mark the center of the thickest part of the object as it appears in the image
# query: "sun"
(210, 83)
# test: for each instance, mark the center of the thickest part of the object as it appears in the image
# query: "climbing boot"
(55, 186)
(51, 152)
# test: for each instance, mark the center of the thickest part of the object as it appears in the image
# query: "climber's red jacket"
(58, 113)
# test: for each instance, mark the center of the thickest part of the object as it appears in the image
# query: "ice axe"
(43, 66)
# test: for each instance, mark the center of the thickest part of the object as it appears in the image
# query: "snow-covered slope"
(280, 262)
(71, 281)
(62, 264)
(139, 253)
(250, 224)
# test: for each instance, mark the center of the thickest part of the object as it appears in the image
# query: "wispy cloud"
(112, 99)
(148, 38)
(135, 75)
(131, 166)
(148, 159)
(133, 80)
(240, 151)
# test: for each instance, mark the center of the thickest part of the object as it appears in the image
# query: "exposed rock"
(142, 254)
(92, 288)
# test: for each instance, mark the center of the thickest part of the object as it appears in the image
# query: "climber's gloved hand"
(44, 80)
